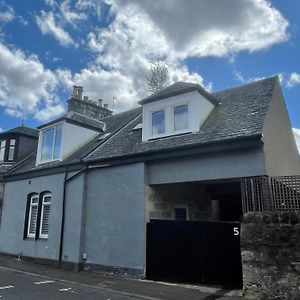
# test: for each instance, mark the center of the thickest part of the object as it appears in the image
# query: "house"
(15, 145)
(84, 199)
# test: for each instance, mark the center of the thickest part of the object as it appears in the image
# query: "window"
(181, 212)
(37, 215)
(11, 151)
(45, 215)
(181, 121)
(158, 122)
(2, 150)
(33, 214)
(51, 145)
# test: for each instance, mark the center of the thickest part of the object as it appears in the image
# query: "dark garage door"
(194, 252)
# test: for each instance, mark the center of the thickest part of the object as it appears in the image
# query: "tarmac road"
(23, 280)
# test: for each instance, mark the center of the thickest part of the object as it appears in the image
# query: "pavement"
(20, 279)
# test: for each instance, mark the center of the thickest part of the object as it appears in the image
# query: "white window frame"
(164, 109)
(32, 235)
(43, 235)
(41, 140)
(188, 129)
(2, 149)
(13, 147)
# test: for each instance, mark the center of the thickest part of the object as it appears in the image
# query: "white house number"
(236, 231)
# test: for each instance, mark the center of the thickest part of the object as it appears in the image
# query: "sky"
(107, 46)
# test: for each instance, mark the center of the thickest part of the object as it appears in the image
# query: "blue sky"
(107, 46)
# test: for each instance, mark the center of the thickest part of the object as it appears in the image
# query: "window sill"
(173, 134)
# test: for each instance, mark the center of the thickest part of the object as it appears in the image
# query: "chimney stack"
(100, 102)
(85, 106)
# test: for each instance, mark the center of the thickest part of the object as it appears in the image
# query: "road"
(23, 280)
(17, 286)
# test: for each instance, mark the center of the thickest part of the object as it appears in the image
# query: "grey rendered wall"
(281, 153)
(13, 216)
(115, 230)
(218, 165)
(73, 219)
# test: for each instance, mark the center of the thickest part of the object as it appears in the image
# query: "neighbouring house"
(86, 198)
(15, 145)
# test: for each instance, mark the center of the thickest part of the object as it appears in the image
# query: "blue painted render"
(115, 217)
(210, 166)
(13, 217)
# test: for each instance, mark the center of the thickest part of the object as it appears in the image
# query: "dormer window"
(181, 118)
(7, 149)
(158, 123)
(51, 143)
(181, 108)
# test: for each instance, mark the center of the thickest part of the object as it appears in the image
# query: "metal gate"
(194, 252)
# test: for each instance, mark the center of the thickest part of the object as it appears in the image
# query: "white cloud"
(297, 137)
(176, 30)
(47, 24)
(7, 13)
(70, 16)
(293, 80)
(49, 112)
(1, 130)
(210, 27)
(25, 84)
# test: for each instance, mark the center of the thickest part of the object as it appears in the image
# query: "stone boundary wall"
(270, 248)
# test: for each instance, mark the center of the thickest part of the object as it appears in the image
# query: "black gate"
(194, 252)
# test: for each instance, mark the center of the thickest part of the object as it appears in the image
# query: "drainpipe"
(64, 207)
(61, 241)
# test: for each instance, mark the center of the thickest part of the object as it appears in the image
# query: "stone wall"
(270, 247)
(161, 201)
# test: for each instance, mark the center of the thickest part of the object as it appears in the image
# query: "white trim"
(44, 203)
(41, 139)
(164, 109)
(32, 235)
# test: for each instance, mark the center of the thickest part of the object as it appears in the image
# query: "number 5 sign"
(236, 231)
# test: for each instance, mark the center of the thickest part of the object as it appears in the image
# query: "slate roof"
(78, 119)
(113, 124)
(32, 132)
(179, 88)
(240, 113)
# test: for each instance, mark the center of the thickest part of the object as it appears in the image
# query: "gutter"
(184, 150)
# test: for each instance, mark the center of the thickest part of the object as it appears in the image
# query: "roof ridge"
(245, 84)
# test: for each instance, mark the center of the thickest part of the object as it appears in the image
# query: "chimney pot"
(100, 102)
(105, 105)
(80, 92)
(74, 93)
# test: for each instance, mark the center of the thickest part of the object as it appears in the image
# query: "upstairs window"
(51, 144)
(158, 122)
(11, 150)
(7, 149)
(2, 150)
(181, 120)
